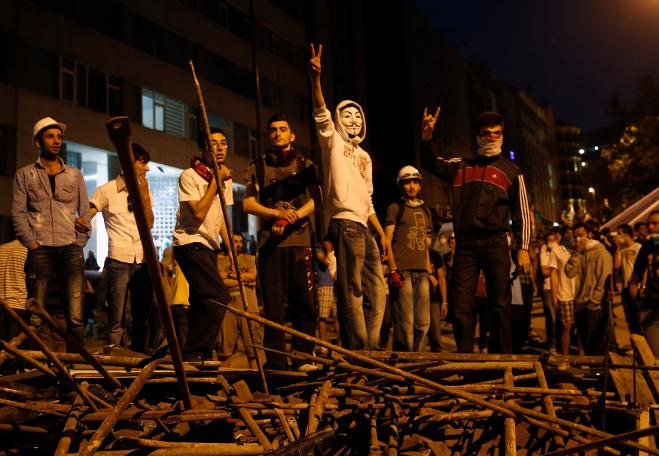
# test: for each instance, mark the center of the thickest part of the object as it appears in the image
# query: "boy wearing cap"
(408, 227)
(50, 213)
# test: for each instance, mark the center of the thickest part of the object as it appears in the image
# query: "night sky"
(573, 54)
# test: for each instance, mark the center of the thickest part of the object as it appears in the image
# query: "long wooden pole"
(225, 213)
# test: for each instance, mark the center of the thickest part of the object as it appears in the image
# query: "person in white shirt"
(563, 289)
(196, 244)
(548, 308)
(624, 260)
(348, 190)
(125, 267)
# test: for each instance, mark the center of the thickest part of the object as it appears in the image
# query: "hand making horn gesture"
(428, 123)
(314, 62)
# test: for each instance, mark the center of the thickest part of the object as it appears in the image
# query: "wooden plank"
(623, 380)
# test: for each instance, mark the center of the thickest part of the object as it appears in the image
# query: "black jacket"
(488, 193)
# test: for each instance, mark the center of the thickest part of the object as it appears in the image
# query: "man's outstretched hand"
(428, 123)
(315, 67)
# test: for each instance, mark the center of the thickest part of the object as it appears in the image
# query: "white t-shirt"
(628, 257)
(111, 199)
(545, 255)
(192, 187)
(567, 287)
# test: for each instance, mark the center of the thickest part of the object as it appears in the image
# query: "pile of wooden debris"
(356, 403)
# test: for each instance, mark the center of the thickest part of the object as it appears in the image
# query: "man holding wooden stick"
(196, 242)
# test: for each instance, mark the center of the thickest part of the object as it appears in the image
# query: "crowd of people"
(370, 280)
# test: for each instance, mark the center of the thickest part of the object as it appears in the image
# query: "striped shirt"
(12, 274)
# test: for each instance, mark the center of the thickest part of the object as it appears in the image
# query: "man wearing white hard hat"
(408, 226)
(50, 211)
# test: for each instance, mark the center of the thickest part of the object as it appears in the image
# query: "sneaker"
(309, 367)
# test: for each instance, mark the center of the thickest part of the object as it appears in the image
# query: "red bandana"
(204, 171)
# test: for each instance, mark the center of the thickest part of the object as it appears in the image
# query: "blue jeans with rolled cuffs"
(125, 278)
(66, 265)
(411, 312)
(360, 287)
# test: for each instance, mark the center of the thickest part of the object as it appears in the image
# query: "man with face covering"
(348, 188)
(488, 193)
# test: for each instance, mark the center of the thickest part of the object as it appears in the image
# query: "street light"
(591, 190)
(582, 151)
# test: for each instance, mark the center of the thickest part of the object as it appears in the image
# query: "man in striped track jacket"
(489, 198)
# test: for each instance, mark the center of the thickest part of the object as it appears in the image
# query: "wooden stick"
(126, 399)
(509, 423)
(35, 307)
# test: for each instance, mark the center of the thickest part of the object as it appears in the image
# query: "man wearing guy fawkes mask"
(348, 190)
(488, 193)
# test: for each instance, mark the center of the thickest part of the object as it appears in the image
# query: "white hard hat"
(45, 123)
(408, 172)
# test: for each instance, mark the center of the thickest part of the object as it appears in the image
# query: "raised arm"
(428, 122)
(314, 75)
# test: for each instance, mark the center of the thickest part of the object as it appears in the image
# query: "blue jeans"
(411, 312)
(122, 279)
(360, 287)
(65, 264)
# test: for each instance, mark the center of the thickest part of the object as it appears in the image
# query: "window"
(67, 77)
(7, 150)
(97, 91)
(163, 113)
(193, 123)
(89, 87)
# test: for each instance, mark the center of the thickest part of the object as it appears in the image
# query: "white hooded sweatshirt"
(347, 168)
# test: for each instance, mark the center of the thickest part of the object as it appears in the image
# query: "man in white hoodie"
(348, 190)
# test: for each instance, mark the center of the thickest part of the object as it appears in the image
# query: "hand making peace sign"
(314, 62)
(428, 123)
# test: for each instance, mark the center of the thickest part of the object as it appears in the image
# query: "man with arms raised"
(488, 195)
(348, 190)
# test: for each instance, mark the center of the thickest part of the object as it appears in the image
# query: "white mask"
(488, 147)
(351, 119)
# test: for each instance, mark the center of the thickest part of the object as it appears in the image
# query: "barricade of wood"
(375, 403)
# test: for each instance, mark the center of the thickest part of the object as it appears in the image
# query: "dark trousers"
(180, 318)
(286, 276)
(519, 328)
(435, 331)
(66, 265)
(205, 316)
(631, 312)
(491, 255)
(591, 327)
